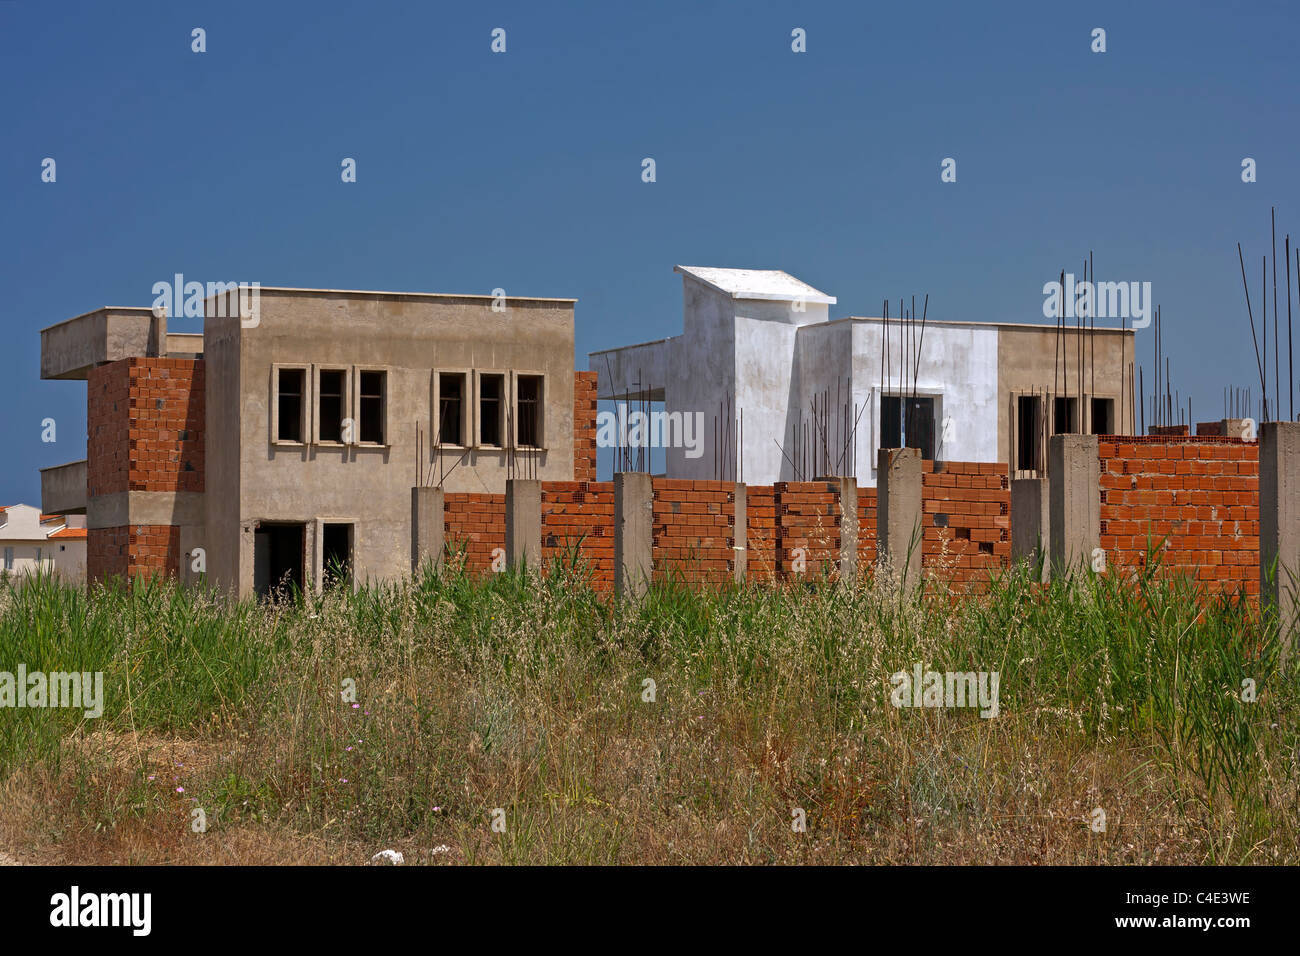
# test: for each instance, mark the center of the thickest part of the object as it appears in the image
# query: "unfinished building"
(789, 394)
(278, 451)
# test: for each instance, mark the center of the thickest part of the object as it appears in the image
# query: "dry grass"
(528, 696)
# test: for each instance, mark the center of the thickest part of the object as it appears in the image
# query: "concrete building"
(276, 445)
(32, 542)
(760, 346)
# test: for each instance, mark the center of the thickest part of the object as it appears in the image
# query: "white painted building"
(30, 541)
(760, 347)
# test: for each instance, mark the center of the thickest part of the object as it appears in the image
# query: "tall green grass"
(527, 693)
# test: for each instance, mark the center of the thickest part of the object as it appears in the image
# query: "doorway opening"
(278, 549)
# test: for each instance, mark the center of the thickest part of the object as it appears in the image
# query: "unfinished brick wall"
(867, 528)
(580, 514)
(1196, 500)
(761, 533)
(584, 426)
(966, 519)
(693, 529)
(807, 518)
(145, 419)
(477, 523)
(133, 551)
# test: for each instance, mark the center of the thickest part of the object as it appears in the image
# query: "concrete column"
(1074, 493)
(428, 525)
(524, 523)
(740, 533)
(1030, 521)
(1233, 428)
(898, 513)
(848, 493)
(1279, 523)
(633, 533)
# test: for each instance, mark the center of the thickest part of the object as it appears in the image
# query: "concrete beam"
(524, 523)
(633, 533)
(898, 505)
(740, 533)
(1279, 523)
(1074, 492)
(428, 526)
(1030, 520)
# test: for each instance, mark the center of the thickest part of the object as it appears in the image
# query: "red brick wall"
(133, 551)
(580, 513)
(1199, 496)
(692, 529)
(760, 530)
(476, 522)
(807, 517)
(584, 426)
(166, 424)
(867, 509)
(108, 417)
(145, 419)
(966, 519)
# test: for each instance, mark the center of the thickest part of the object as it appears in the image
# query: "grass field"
(528, 695)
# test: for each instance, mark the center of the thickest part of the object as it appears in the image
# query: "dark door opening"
(907, 423)
(336, 555)
(278, 559)
(1064, 411)
(1103, 416)
(1027, 432)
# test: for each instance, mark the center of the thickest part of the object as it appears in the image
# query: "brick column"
(1074, 493)
(1279, 523)
(428, 523)
(633, 533)
(898, 513)
(524, 523)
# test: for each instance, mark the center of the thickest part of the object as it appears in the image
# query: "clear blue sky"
(523, 170)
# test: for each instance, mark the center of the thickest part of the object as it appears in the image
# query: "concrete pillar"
(740, 533)
(1030, 521)
(898, 513)
(428, 524)
(1235, 428)
(1074, 493)
(524, 523)
(848, 492)
(633, 533)
(1279, 523)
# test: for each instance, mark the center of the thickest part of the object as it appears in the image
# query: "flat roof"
(772, 284)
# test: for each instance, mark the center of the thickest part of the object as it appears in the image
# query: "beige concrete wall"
(1025, 363)
(251, 479)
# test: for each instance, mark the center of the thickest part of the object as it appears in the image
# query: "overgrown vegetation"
(530, 694)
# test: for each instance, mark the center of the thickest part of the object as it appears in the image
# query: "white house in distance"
(30, 540)
(786, 393)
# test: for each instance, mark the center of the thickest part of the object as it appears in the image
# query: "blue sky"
(522, 170)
